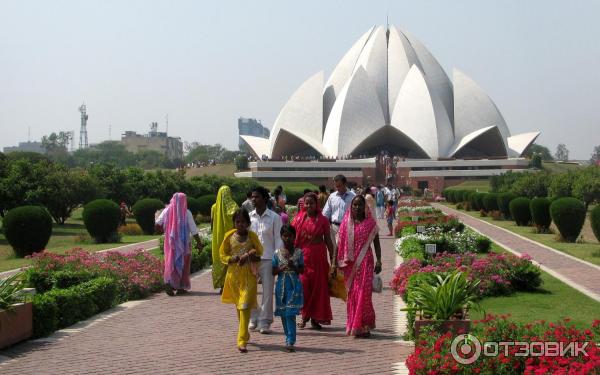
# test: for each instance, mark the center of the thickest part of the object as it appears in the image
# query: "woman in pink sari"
(179, 228)
(313, 237)
(355, 258)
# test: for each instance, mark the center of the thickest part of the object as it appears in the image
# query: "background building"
(252, 127)
(171, 147)
(27, 147)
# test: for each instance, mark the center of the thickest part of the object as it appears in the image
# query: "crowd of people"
(333, 236)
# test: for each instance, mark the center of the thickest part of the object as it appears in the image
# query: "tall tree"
(543, 151)
(562, 153)
(595, 159)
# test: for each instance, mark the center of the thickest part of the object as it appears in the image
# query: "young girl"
(389, 215)
(288, 263)
(240, 248)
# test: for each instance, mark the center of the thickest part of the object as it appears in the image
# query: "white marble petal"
(356, 114)
(341, 74)
(302, 115)
(517, 144)
(401, 56)
(422, 116)
(259, 146)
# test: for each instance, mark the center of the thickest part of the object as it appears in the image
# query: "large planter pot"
(16, 324)
(457, 326)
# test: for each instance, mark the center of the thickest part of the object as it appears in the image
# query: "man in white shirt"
(336, 207)
(267, 225)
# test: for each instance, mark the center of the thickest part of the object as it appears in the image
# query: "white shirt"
(268, 229)
(189, 218)
(336, 206)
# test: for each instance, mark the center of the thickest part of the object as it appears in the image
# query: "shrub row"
(27, 229)
(60, 308)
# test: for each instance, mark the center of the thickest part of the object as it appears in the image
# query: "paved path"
(195, 334)
(579, 274)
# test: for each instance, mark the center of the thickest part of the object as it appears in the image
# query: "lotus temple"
(388, 93)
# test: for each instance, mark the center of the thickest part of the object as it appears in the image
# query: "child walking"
(239, 250)
(389, 215)
(288, 263)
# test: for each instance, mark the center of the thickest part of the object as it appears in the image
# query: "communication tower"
(83, 138)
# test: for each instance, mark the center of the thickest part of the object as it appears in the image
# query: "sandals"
(169, 290)
(290, 348)
(181, 291)
(302, 324)
(315, 325)
(365, 335)
(242, 349)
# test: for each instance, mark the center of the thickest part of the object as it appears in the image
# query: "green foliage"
(101, 219)
(483, 244)
(540, 150)
(503, 203)
(478, 199)
(60, 308)
(445, 297)
(27, 229)
(525, 276)
(531, 185)
(144, 211)
(561, 184)
(587, 185)
(519, 210)
(193, 205)
(10, 290)
(205, 203)
(595, 221)
(540, 213)
(490, 202)
(536, 161)
(241, 162)
(568, 214)
(67, 278)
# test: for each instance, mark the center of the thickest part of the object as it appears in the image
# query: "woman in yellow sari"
(239, 250)
(222, 222)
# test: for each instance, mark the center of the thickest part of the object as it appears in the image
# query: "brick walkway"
(581, 275)
(195, 334)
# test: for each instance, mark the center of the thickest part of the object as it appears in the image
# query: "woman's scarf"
(222, 218)
(346, 249)
(177, 234)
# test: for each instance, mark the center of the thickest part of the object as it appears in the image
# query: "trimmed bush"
(540, 213)
(568, 214)
(450, 196)
(595, 221)
(483, 244)
(193, 206)
(490, 202)
(27, 229)
(45, 315)
(144, 211)
(101, 218)
(205, 203)
(519, 210)
(478, 199)
(503, 204)
(67, 278)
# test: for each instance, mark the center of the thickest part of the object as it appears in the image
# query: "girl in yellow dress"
(239, 251)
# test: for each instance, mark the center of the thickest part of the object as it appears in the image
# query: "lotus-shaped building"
(389, 93)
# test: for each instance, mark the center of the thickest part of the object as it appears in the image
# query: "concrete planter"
(16, 324)
(443, 326)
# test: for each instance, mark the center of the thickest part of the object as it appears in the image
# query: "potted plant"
(444, 304)
(16, 318)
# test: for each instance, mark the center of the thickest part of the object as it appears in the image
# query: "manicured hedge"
(205, 203)
(595, 221)
(478, 198)
(101, 218)
(519, 210)
(568, 214)
(27, 229)
(490, 202)
(504, 202)
(540, 213)
(144, 212)
(193, 205)
(60, 308)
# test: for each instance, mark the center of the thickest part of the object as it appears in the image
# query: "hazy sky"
(206, 63)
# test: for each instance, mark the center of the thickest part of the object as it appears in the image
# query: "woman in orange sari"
(313, 237)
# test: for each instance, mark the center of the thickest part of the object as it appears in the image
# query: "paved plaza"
(196, 334)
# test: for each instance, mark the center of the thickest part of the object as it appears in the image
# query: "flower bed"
(433, 355)
(413, 245)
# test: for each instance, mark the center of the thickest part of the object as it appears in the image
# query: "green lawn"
(223, 170)
(64, 237)
(479, 185)
(554, 301)
(554, 167)
(288, 185)
(584, 251)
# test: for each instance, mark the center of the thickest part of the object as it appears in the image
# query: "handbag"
(337, 287)
(377, 284)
